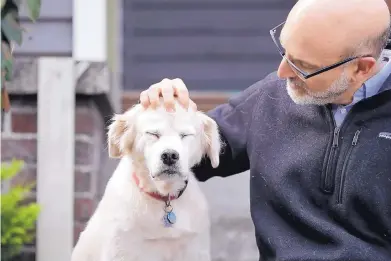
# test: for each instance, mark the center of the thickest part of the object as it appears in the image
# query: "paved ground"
(232, 228)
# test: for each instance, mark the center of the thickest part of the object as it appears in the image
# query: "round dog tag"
(171, 217)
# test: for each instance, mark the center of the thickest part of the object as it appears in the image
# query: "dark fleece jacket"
(315, 194)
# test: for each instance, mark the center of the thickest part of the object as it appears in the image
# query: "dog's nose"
(170, 157)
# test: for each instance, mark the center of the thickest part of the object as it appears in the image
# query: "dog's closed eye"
(184, 135)
(155, 134)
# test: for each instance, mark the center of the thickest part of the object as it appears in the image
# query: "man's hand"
(169, 90)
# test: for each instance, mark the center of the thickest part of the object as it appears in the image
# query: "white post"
(89, 26)
(56, 150)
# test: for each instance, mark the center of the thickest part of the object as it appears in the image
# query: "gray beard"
(338, 87)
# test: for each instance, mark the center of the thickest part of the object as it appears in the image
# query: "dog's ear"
(211, 139)
(121, 133)
(114, 136)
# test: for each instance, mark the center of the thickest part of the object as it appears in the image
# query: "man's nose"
(285, 70)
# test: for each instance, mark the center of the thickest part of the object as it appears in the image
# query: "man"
(316, 137)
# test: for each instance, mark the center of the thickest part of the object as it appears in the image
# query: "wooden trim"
(55, 166)
(205, 100)
(115, 53)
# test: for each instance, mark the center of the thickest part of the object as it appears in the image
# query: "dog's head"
(164, 144)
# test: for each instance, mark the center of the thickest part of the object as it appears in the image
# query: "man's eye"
(154, 134)
(307, 67)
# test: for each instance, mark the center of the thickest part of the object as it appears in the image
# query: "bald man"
(315, 135)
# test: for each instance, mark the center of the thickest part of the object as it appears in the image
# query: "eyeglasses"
(275, 34)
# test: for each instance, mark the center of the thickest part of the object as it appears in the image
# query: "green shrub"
(17, 219)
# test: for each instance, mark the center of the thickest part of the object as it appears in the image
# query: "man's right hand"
(169, 90)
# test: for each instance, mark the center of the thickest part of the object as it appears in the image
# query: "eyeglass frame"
(322, 70)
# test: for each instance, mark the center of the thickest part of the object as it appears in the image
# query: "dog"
(153, 208)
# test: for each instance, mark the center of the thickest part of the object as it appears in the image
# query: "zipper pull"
(336, 137)
(355, 138)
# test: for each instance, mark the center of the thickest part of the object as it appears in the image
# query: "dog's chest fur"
(127, 224)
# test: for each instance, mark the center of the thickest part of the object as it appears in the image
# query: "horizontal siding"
(51, 9)
(46, 38)
(51, 34)
(166, 46)
(210, 4)
(207, 71)
(253, 19)
(213, 45)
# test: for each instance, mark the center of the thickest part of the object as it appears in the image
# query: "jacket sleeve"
(233, 119)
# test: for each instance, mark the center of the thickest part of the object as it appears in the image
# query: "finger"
(153, 94)
(144, 99)
(181, 92)
(168, 94)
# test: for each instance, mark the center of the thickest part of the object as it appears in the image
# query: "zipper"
(345, 164)
(328, 177)
(336, 137)
(328, 174)
(324, 184)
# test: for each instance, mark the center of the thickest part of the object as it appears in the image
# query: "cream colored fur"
(127, 224)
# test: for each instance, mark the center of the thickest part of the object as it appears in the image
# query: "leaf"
(9, 170)
(2, 3)
(6, 52)
(6, 60)
(34, 7)
(18, 218)
(11, 28)
(17, 2)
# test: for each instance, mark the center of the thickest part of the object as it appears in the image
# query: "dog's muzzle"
(169, 157)
(169, 165)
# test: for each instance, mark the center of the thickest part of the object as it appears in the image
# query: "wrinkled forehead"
(179, 121)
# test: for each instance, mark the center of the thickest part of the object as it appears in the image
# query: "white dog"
(153, 208)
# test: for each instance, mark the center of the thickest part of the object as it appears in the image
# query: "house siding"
(51, 34)
(215, 45)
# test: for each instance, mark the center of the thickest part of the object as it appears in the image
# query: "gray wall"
(211, 44)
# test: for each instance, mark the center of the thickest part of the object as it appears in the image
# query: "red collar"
(157, 195)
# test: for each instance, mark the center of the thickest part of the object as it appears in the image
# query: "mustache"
(297, 82)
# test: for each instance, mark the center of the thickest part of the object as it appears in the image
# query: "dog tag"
(169, 219)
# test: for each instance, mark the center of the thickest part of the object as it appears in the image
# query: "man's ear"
(121, 133)
(364, 69)
(211, 139)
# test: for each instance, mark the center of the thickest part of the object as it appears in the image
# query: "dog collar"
(157, 195)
